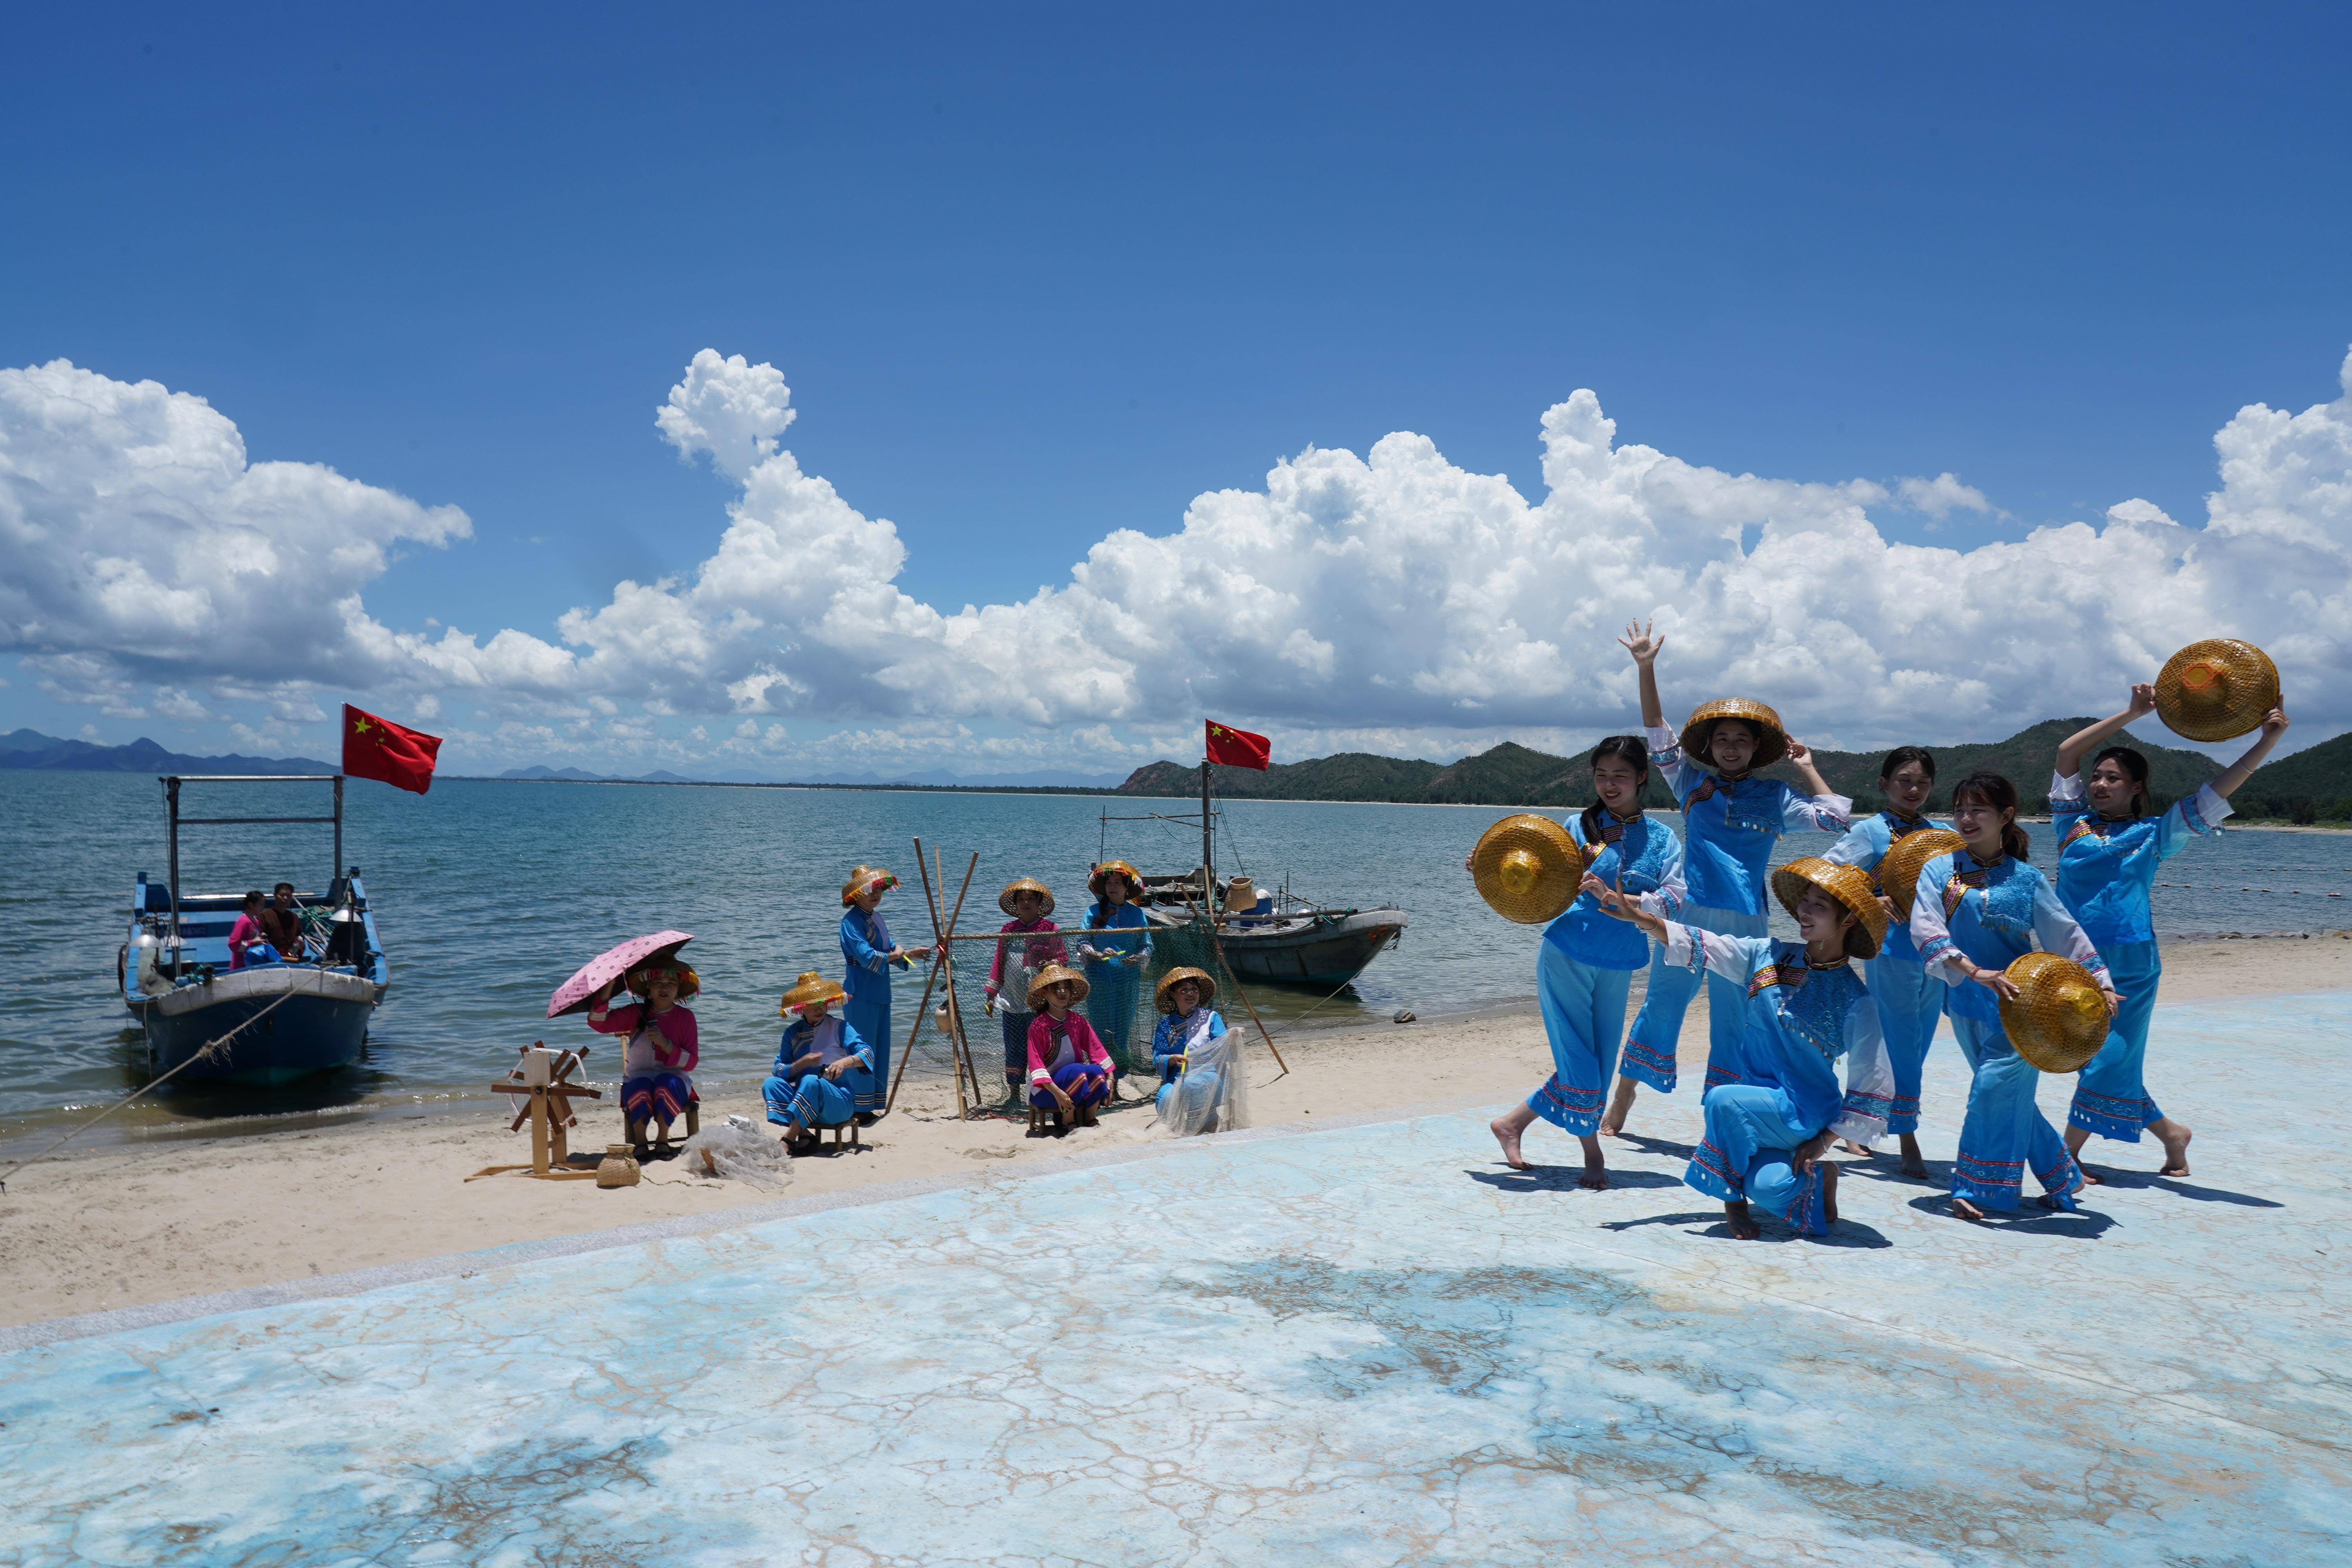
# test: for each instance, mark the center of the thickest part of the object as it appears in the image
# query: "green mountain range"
(2310, 785)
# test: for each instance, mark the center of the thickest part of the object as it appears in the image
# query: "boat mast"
(1208, 863)
(171, 801)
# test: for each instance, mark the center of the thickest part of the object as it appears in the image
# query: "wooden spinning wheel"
(544, 1075)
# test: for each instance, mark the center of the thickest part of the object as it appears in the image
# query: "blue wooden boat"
(283, 1020)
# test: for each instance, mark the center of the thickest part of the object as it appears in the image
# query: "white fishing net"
(736, 1150)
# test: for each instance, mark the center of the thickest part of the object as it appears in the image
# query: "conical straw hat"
(1849, 885)
(1527, 868)
(1168, 983)
(2059, 1020)
(2216, 689)
(1025, 885)
(1051, 975)
(809, 990)
(1772, 740)
(1898, 872)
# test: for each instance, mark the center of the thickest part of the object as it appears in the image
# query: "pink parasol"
(571, 996)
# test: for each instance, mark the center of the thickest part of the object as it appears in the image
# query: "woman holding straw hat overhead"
(1730, 819)
(870, 954)
(1115, 946)
(1974, 912)
(1029, 902)
(1767, 1138)
(2109, 847)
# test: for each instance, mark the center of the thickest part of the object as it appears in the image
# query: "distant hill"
(2026, 758)
(30, 749)
(2313, 784)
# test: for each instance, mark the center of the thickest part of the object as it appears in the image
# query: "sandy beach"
(120, 1225)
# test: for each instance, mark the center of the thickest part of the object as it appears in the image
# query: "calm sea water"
(488, 895)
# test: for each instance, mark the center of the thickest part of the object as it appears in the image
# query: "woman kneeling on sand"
(1766, 1137)
(1069, 1071)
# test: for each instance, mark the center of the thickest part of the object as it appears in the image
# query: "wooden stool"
(633, 1129)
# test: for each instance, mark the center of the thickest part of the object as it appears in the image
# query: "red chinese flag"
(377, 748)
(1238, 748)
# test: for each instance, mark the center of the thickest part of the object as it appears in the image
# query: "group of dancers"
(1781, 1014)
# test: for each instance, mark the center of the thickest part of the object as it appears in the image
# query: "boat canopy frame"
(175, 822)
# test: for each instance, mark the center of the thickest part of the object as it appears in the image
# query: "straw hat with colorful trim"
(1102, 874)
(1025, 885)
(1160, 993)
(1772, 740)
(1849, 885)
(808, 990)
(2059, 1020)
(690, 984)
(865, 880)
(1899, 868)
(2216, 689)
(1053, 974)
(1527, 868)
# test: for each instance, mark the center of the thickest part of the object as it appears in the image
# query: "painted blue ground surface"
(1369, 1346)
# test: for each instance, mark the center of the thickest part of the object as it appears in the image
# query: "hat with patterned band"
(808, 990)
(866, 879)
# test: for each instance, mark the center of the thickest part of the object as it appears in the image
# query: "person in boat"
(2110, 844)
(1115, 948)
(281, 921)
(660, 1043)
(1730, 820)
(1975, 912)
(1204, 1085)
(249, 938)
(1768, 1138)
(1909, 1004)
(871, 955)
(1024, 948)
(1069, 1071)
(1585, 966)
(824, 1069)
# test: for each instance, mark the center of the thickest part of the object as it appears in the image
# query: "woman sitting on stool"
(823, 1071)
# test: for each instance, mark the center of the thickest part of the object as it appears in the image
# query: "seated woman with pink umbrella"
(660, 1042)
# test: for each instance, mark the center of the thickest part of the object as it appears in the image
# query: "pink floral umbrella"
(573, 995)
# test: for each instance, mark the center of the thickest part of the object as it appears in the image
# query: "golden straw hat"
(1102, 874)
(1527, 868)
(690, 984)
(1849, 885)
(1168, 983)
(2217, 689)
(1898, 871)
(1025, 885)
(1772, 740)
(1051, 975)
(864, 878)
(811, 989)
(2059, 1020)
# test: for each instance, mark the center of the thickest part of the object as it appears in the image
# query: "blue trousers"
(1016, 1044)
(1084, 1082)
(1584, 1018)
(811, 1100)
(1909, 1001)
(871, 1016)
(1649, 1055)
(2111, 1095)
(1745, 1156)
(1199, 1085)
(2005, 1132)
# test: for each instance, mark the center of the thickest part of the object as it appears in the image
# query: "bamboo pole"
(909, 1054)
(955, 1008)
(1219, 949)
(923, 865)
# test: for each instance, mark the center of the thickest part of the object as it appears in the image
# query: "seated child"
(661, 1047)
(248, 942)
(822, 1070)
(1029, 902)
(1069, 1071)
(1203, 1087)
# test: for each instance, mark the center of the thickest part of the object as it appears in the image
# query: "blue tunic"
(812, 1098)
(1113, 986)
(1910, 1002)
(1649, 857)
(1730, 827)
(865, 948)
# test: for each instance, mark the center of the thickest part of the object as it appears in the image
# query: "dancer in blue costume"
(1974, 913)
(1909, 1004)
(1116, 945)
(2109, 847)
(1584, 969)
(1768, 1138)
(1730, 819)
(870, 954)
(823, 1072)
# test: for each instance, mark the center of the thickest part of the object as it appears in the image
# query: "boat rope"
(1294, 1023)
(206, 1051)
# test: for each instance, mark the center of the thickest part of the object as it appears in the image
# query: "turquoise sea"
(489, 894)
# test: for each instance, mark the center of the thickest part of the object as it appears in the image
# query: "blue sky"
(1036, 275)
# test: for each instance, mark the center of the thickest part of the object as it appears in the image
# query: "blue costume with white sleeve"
(1909, 1002)
(1993, 914)
(866, 946)
(812, 1098)
(1585, 967)
(2106, 870)
(1796, 1022)
(1729, 827)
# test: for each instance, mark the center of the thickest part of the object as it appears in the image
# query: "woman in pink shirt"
(662, 1044)
(1031, 904)
(1069, 1071)
(247, 934)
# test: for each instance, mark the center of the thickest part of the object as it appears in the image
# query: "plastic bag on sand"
(735, 1150)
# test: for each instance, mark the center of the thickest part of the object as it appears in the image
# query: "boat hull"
(316, 1020)
(1324, 952)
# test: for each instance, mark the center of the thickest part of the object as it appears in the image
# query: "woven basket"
(1772, 740)
(1849, 885)
(1898, 873)
(2059, 1020)
(1527, 868)
(2217, 689)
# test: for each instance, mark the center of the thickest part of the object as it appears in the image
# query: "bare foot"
(1966, 1210)
(2176, 1154)
(1621, 1105)
(1596, 1169)
(2090, 1178)
(1912, 1165)
(1829, 1191)
(1509, 1137)
(1736, 1219)
(1854, 1148)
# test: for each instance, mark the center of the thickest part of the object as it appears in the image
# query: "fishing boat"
(283, 1020)
(1267, 937)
